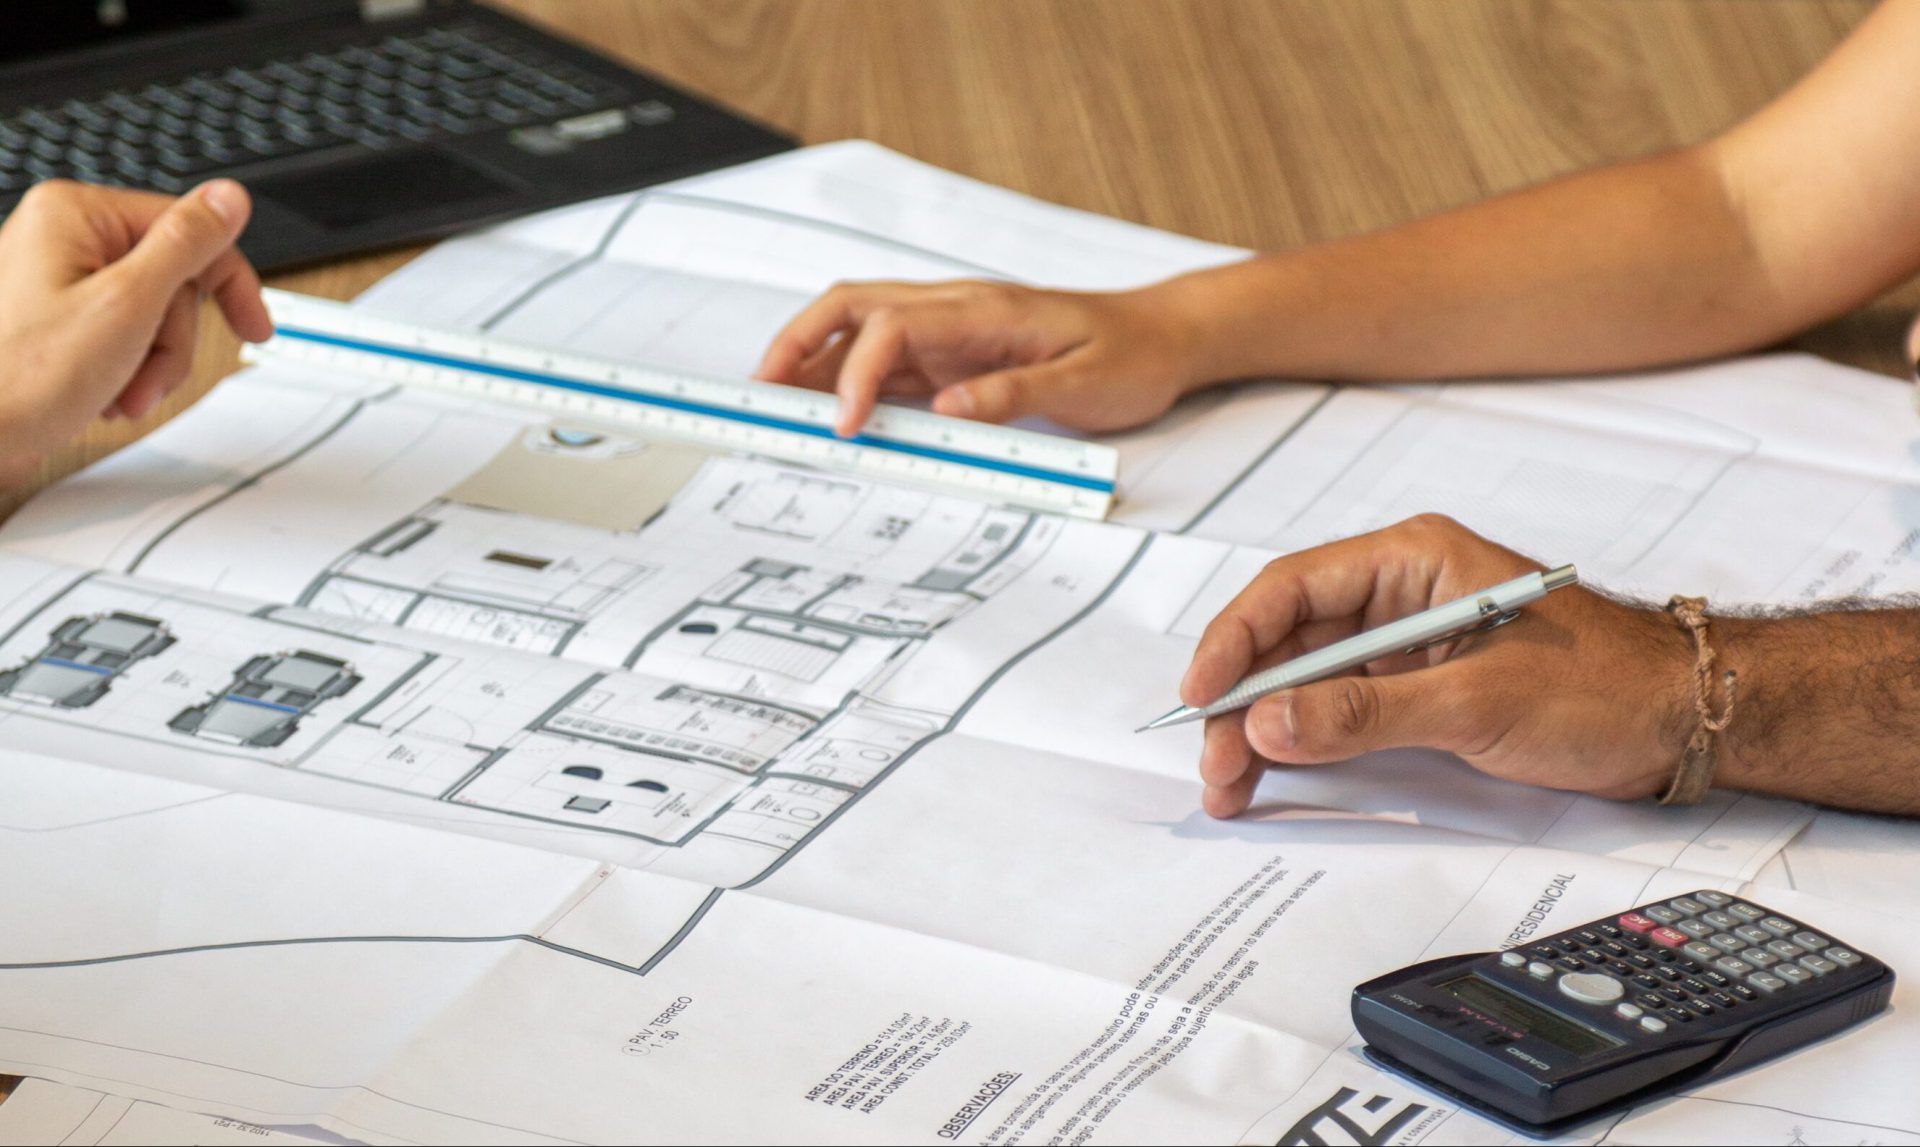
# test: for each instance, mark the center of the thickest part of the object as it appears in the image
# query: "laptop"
(355, 123)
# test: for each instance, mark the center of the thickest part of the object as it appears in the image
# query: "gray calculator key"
(1629, 1011)
(1720, 920)
(1746, 911)
(1779, 927)
(1767, 982)
(1759, 957)
(1513, 960)
(1701, 951)
(1698, 929)
(1653, 1024)
(1753, 934)
(1733, 966)
(1662, 913)
(1813, 941)
(1540, 971)
(1818, 965)
(1792, 973)
(1715, 899)
(1687, 905)
(1841, 956)
(1786, 949)
(1727, 943)
(1592, 987)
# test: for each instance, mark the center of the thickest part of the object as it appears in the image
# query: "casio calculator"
(1618, 1011)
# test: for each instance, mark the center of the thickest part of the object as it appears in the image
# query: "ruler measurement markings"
(1037, 469)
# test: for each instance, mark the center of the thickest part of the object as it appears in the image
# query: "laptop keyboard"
(443, 81)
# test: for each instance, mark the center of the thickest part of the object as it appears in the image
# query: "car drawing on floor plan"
(268, 697)
(83, 657)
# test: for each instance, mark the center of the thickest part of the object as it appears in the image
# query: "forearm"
(1828, 707)
(1621, 267)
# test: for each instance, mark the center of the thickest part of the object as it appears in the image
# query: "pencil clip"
(1490, 619)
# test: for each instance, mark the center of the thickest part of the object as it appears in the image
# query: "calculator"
(1628, 1008)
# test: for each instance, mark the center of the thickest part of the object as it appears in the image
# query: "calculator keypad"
(1692, 957)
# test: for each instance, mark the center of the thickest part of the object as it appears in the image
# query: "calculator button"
(1632, 941)
(1733, 966)
(1665, 955)
(1670, 975)
(1753, 934)
(1697, 987)
(1674, 994)
(1585, 936)
(1767, 982)
(1715, 899)
(1663, 914)
(1540, 971)
(1786, 949)
(1641, 960)
(1570, 964)
(1593, 956)
(1810, 940)
(1698, 1007)
(1613, 949)
(1792, 973)
(1688, 905)
(1727, 943)
(1628, 1011)
(1717, 979)
(1620, 967)
(1818, 965)
(1747, 911)
(1677, 1015)
(1723, 999)
(1841, 956)
(1686, 965)
(1668, 937)
(1703, 951)
(1778, 927)
(1647, 982)
(1653, 1024)
(1698, 929)
(1743, 991)
(1513, 960)
(1592, 987)
(1634, 922)
(1759, 957)
(1544, 951)
(1610, 931)
(1720, 920)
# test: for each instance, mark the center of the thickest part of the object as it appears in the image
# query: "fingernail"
(958, 402)
(226, 198)
(1287, 729)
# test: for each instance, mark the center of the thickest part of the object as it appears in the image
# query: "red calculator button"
(1634, 922)
(1668, 936)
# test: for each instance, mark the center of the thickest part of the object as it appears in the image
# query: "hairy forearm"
(1828, 707)
(1621, 267)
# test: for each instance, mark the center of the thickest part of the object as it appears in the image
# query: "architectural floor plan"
(405, 768)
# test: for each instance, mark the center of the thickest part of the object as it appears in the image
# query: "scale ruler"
(979, 460)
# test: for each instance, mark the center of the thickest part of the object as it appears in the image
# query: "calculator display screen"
(1508, 1008)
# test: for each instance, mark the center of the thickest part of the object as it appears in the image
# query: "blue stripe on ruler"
(562, 383)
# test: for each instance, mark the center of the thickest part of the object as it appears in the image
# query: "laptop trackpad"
(346, 194)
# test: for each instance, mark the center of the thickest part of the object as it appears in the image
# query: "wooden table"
(1263, 123)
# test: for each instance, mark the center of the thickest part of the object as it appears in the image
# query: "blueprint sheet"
(356, 806)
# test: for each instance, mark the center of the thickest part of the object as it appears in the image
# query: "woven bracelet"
(1694, 776)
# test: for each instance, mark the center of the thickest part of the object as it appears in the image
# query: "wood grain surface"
(1262, 123)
